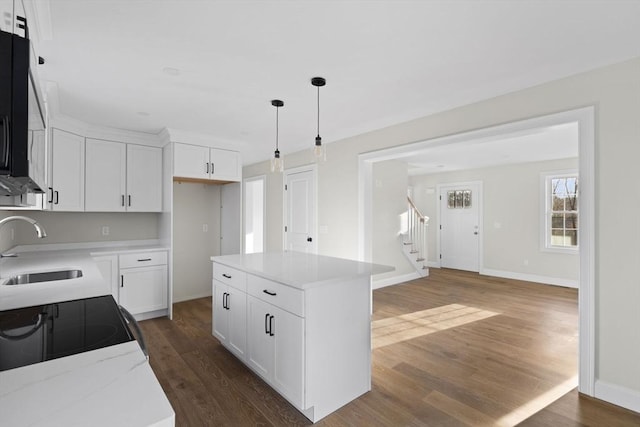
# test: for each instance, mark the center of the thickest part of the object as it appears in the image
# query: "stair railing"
(417, 231)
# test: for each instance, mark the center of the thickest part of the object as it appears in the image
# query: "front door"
(460, 226)
(300, 210)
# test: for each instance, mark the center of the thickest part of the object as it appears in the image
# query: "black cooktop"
(34, 334)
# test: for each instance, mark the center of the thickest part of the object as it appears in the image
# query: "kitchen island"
(302, 322)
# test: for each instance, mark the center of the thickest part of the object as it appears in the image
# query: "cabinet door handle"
(273, 294)
(56, 197)
(266, 323)
(129, 199)
(271, 326)
(207, 167)
(144, 259)
(122, 280)
(122, 200)
(50, 199)
(227, 276)
(213, 168)
(226, 301)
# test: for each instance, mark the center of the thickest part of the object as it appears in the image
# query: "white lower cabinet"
(230, 317)
(275, 348)
(143, 286)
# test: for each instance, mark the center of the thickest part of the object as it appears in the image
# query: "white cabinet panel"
(259, 343)
(143, 289)
(230, 318)
(191, 161)
(67, 177)
(225, 165)
(144, 178)
(105, 177)
(288, 355)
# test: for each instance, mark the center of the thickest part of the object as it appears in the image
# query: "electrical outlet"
(105, 230)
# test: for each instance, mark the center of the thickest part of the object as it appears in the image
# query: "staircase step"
(407, 243)
(420, 259)
(413, 252)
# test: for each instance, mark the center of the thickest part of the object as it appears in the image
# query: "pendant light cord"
(318, 110)
(277, 121)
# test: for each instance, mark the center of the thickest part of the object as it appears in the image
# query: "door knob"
(309, 239)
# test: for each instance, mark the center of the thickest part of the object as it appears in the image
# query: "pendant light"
(318, 150)
(277, 165)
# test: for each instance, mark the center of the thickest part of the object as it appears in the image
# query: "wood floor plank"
(452, 349)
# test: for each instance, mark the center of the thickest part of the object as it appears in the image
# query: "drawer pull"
(271, 326)
(273, 294)
(226, 275)
(144, 259)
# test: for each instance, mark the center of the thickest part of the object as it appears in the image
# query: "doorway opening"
(584, 119)
(254, 214)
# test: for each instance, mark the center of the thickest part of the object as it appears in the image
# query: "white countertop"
(41, 258)
(112, 386)
(300, 270)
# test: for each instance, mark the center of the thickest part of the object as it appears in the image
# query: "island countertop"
(298, 269)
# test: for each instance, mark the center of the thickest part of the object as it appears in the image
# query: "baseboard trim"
(618, 395)
(190, 297)
(389, 281)
(568, 283)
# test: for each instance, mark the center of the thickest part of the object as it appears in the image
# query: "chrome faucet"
(39, 228)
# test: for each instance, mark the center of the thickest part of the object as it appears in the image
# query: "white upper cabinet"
(123, 177)
(225, 165)
(191, 161)
(67, 172)
(144, 178)
(194, 161)
(106, 176)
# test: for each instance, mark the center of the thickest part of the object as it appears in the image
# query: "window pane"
(572, 203)
(558, 204)
(451, 199)
(557, 238)
(571, 237)
(571, 221)
(557, 221)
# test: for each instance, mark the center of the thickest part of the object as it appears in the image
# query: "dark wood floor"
(453, 349)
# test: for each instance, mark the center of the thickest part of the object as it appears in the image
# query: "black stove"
(44, 332)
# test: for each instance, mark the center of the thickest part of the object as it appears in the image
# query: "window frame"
(546, 212)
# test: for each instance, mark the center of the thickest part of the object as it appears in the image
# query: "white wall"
(389, 202)
(615, 91)
(193, 206)
(78, 227)
(511, 220)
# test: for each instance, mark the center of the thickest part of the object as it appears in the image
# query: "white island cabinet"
(306, 321)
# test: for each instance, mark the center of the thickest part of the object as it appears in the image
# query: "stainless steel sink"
(48, 276)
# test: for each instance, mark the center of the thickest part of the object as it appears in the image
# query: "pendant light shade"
(277, 165)
(318, 150)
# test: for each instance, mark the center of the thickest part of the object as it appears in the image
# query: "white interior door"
(300, 209)
(230, 215)
(460, 226)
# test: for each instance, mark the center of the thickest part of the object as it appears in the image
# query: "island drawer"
(143, 259)
(230, 276)
(282, 296)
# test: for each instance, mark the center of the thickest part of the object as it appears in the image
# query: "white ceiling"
(535, 145)
(385, 61)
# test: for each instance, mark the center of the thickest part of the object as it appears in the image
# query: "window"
(254, 211)
(561, 211)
